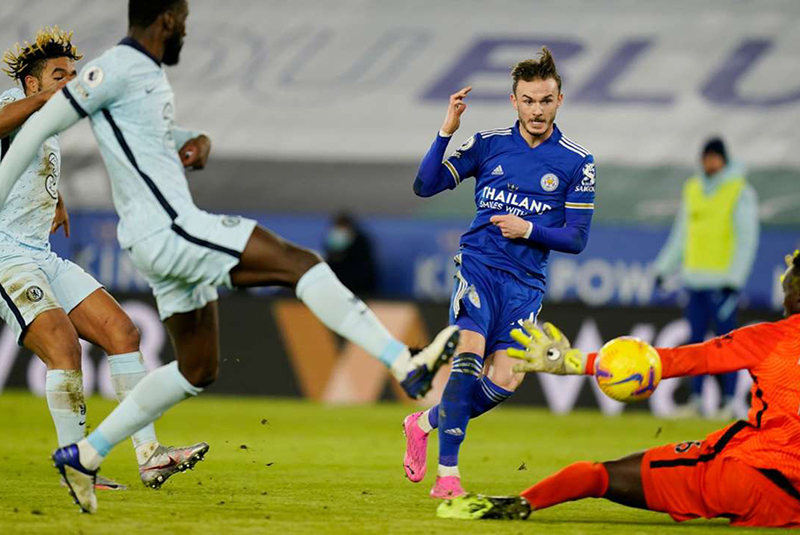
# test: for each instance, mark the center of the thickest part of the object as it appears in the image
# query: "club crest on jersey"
(549, 182)
(34, 294)
(93, 77)
(51, 180)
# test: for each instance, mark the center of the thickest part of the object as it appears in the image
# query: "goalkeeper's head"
(791, 285)
(44, 63)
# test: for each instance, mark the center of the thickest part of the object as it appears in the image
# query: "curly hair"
(29, 59)
(531, 69)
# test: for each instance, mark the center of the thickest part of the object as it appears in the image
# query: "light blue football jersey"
(130, 103)
(27, 215)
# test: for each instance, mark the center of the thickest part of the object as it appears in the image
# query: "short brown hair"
(530, 69)
(29, 59)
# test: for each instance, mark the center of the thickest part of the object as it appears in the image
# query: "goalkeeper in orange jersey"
(748, 472)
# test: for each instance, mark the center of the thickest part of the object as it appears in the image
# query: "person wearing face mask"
(348, 252)
(712, 245)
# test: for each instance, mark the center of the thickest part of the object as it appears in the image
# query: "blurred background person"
(349, 253)
(713, 245)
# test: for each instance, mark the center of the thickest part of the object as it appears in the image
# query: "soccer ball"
(627, 369)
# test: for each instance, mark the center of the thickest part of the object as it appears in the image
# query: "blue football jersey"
(537, 184)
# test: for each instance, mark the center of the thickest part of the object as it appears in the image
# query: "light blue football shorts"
(33, 281)
(185, 263)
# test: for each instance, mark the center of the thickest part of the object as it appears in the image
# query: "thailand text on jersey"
(537, 184)
(131, 105)
(27, 215)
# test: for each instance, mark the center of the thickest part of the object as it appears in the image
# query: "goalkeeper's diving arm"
(548, 350)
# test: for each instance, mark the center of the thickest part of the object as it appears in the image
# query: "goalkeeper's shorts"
(491, 302)
(689, 480)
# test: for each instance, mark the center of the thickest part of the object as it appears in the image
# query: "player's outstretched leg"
(619, 481)
(101, 320)
(269, 260)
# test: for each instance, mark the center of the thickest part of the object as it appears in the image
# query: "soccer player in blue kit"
(534, 192)
(183, 251)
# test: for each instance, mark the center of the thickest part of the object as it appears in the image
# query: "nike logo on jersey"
(498, 171)
(149, 90)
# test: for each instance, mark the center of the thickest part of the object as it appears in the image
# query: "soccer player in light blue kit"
(50, 302)
(534, 192)
(184, 252)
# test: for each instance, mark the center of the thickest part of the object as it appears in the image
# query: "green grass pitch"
(294, 467)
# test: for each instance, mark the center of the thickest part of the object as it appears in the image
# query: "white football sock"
(424, 423)
(126, 371)
(447, 471)
(348, 316)
(155, 393)
(64, 390)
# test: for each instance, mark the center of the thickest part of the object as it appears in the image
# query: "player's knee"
(306, 260)
(506, 379)
(62, 352)
(302, 261)
(124, 338)
(202, 375)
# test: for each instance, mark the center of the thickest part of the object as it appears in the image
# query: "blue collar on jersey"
(554, 137)
(133, 43)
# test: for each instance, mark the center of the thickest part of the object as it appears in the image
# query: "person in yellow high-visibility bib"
(713, 244)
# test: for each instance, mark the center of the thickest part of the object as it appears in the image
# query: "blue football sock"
(456, 405)
(487, 396)
(484, 399)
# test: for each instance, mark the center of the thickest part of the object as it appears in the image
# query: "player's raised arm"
(548, 350)
(436, 174)
(14, 113)
(742, 349)
(56, 116)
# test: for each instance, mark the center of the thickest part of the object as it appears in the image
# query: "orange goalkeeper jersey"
(770, 438)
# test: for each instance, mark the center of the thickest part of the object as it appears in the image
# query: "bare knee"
(201, 374)
(506, 379)
(63, 355)
(56, 344)
(123, 337)
(302, 261)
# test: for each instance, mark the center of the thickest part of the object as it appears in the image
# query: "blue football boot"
(426, 362)
(80, 481)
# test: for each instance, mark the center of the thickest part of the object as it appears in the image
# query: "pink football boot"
(447, 487)
(415, 460)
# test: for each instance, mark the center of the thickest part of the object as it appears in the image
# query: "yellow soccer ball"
(627, 369)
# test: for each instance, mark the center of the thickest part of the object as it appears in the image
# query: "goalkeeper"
(748, 472)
